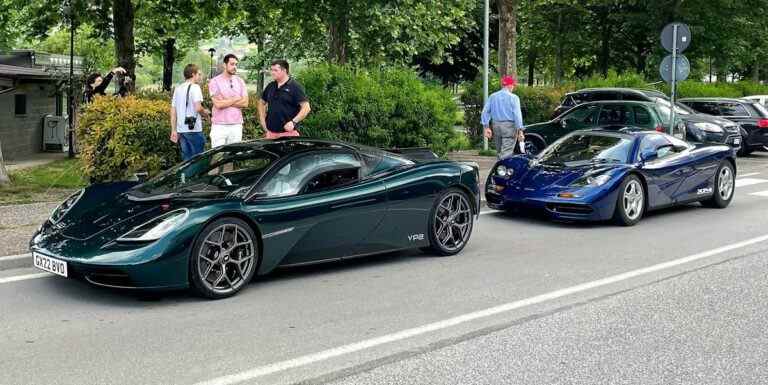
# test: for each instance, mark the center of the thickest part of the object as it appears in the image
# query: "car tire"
(214, 272)
(724, 187)
(630, 202)
(452, 208)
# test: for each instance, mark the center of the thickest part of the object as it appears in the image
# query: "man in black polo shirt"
(283, 103)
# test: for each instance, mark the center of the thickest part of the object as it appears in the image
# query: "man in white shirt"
(186, 110)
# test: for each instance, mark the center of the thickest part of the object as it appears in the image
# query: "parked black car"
(573, 99)
(649, 115)
(752, 116)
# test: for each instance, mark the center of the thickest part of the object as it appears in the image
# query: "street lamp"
(70, 12)
(211, 51)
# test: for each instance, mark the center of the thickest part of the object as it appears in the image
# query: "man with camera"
(186, 110)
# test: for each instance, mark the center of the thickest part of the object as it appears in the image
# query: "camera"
(190, 122)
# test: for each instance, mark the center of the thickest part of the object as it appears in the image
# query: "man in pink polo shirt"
(229, 98)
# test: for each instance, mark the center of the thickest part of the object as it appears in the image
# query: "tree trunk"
(262, 65)
(169, 57)
(532, 56)
(502, 47)
(125, 48)
(559, 49)
(508, 25)
(338, 35)
(605, 48)
(756, 71)
(4, 178)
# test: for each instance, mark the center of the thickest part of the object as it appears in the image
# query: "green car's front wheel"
(223, 259)
(450, 222)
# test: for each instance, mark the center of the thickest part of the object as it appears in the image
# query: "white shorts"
(222, 134)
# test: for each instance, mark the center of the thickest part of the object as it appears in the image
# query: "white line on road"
(13, 257)
(760, 194)
(265, 370)
(746, 175)
(25, 277)
(749, 181)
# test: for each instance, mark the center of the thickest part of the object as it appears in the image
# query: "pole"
(71, 92)
(485, 62)
(674, 79)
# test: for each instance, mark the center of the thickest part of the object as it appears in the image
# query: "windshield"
(231, 169)
(587, 148)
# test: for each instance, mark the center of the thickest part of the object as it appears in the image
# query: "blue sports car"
(601, 174)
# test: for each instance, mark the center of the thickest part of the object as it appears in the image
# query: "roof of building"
(23, 72)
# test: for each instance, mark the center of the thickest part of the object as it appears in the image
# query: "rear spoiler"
(416, 154)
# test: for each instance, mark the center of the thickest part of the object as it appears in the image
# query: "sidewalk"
(33, 160)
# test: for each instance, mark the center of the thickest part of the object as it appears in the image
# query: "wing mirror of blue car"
(563, 123)
(648, 155)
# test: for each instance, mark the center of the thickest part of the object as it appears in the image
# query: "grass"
(46, 183)
(488, 152)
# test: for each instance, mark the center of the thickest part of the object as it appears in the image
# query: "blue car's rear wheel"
(450, 222)
(724, 187)
(224, 258)
(630, 203)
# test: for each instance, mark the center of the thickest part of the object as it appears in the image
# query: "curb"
(15, 261)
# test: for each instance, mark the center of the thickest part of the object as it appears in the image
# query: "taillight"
(660, 128)
(762, 123)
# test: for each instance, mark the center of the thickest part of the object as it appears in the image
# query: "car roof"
(712, 99)
(618, 89)
(599, 102)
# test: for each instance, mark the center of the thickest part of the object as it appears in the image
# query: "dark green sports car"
(240, 210)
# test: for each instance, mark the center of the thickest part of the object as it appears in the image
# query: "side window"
(613, 114)
(642, 116)
(585, 114)
(331, 179)
(733, 109)
(705, 108)
(296, 175)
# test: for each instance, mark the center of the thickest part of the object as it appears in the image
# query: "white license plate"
(736, 141)
(51, 265)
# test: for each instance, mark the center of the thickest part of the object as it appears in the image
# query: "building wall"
(21, 135)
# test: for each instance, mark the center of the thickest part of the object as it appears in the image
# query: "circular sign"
(683, 36)
(682, 68)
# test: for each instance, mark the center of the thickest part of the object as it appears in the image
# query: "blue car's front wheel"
(224, 258)
(630, 204)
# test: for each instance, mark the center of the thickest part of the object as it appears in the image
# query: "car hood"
(531, 175)
(103, 211)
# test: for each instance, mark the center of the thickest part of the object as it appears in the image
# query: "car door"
(316, 207)
(699, 170)
(666, 172)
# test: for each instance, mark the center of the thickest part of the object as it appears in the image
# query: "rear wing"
(416, 154)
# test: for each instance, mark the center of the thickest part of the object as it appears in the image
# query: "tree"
(4, 178)
(508, 37)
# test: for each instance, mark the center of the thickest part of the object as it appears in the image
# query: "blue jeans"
(191, 143)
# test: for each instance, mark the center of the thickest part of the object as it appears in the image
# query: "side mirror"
(648, 155)
(563, 123)
(258, 195)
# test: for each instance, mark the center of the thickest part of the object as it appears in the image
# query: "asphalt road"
(678, 299)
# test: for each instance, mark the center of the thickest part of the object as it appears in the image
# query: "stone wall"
(21, 135)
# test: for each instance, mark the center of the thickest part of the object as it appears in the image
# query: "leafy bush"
(614, 79)
(694, 89)
(120, 136)
(383, 108)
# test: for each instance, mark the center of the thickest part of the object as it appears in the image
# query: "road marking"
(749, 181)
(25, 277)
(746, 175)
(265, 370)
(760, 194)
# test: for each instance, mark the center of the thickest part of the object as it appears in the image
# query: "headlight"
(503, 171)
(598, 180)
(62, 210)
(708, 127)
(156, 228)
(594, 181)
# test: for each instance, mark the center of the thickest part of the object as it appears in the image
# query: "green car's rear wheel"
(224, 258)
(450, 222)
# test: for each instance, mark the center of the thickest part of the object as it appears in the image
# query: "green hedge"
(383, 108)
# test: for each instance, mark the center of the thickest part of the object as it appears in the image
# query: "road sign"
(683, 37)
(682, 68)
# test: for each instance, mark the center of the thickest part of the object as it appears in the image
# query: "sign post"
(675, 38)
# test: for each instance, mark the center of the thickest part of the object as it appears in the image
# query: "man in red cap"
(503, 110)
